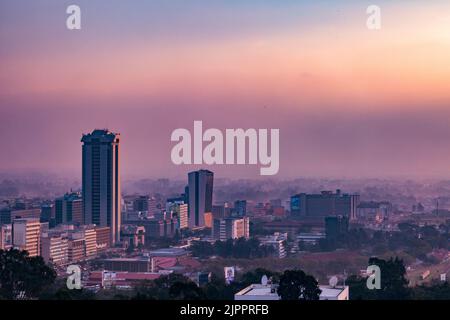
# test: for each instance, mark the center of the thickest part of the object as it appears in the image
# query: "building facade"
(101, 181)
(200, 196)
(55, 248)
(327, 203)
(231, 228)
(27, 235)
(69, 209)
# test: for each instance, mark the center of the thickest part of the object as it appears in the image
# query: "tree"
(172, 286)
(59, 291)
(22, 276)
(296, 285)
(255, 276)
(186, 291)
(394, 285)
(202, 249)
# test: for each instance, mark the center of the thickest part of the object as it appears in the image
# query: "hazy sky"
(348, 101)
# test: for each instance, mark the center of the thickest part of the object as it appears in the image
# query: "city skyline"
(349, 102)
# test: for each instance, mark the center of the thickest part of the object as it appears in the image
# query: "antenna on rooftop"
(333, 281)
(264, 280)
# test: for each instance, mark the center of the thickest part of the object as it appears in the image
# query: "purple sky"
(348, 102)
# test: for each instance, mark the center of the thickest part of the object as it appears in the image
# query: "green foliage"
(59, 291)
(435, 291)
(297, 285)
(255, 276)
(394, 285)
(22, 276)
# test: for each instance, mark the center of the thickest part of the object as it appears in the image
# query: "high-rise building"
(327, 203)
(231, 228)
(101, 181)
(27, 235)
(200, 197)
(69, 209)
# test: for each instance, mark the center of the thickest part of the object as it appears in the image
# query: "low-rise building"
(276, 241)
(231, 228)
(55, 248)
(261, 292)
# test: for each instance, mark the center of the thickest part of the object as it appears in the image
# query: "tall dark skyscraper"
(101, 181)
(200, 197)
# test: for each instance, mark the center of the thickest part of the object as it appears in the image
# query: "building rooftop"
(168, 252)
(269, 292)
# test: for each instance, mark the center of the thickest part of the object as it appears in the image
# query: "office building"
(55, 248)
(69, 209)
(240, 208)
(76, 250)
(231, 228)
(180, 210)
(327, 203)
(102, 235)
(133, 235)
(7, 215)
(200, 197)
(101, 181)
(88, 234)
(27, 235)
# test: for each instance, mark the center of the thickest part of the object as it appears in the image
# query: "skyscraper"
(101, 181)
(200, 197)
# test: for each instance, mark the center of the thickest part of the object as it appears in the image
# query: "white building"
(27, 235)
(231, 228)
(260, 292)
(277, 241)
